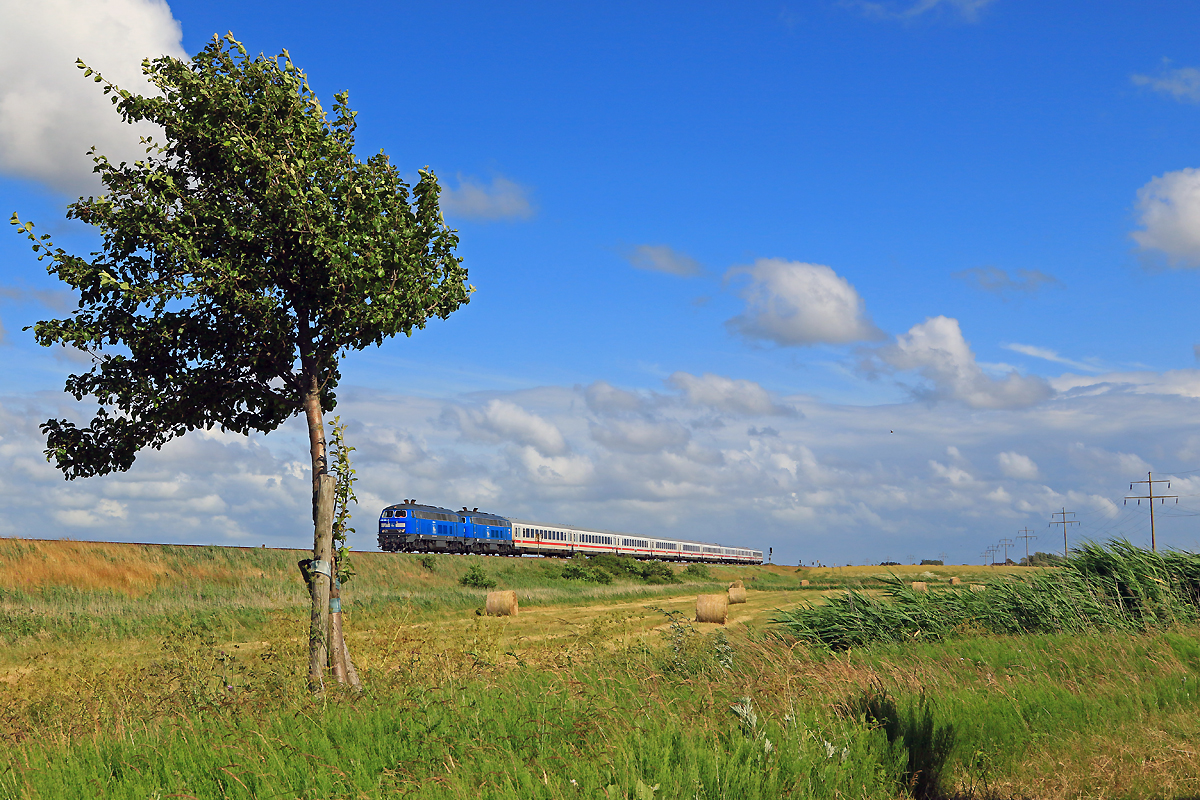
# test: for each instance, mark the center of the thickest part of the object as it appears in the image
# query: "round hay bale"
(737, 594)
(712, 608)
(804, 581)
(502, 604)
(955, 581)
(975, 587)
(920, 586)
(737, 584)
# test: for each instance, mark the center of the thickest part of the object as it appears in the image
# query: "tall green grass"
(1113, 587)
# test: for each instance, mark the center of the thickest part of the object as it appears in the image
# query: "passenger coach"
(411, 527)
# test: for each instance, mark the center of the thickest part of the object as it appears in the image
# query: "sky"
(853, 281)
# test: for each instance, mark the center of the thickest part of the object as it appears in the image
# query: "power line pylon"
(1026, 534)
(1151, 496)
(1064, 522)
(1005, 544)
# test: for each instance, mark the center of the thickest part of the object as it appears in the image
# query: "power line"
(1064, 522)
(1026, 534)
(1161, 498)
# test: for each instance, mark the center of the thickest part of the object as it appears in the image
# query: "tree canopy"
(239, 261)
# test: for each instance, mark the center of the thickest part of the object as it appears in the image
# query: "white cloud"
(473, 199)
(1169, 212)
(1182, 83)
(1048, 355)
(833, 485)
(640, 435)
(999, 282)
(937, 351)
(501, 420)
(793, 303)
(604, 398)
(1017, 466)
(1180, 382)
(968, 10)
(727, 394)
(661, 258)
(49, 113)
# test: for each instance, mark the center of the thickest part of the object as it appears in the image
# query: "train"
(411, 527)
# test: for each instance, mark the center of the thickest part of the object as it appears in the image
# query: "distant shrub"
(428, 561)
(889, 563)
(476, 578)
(584, 572)
(658, 572)
(653, 572)
(932, 562)
(1043, 560)
(698, 571)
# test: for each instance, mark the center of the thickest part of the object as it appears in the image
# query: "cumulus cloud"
(1017, 466)
(500, 199)
(1181, 83)
(501, 420)
(937, 351)
(727, 394)
(1169, 212)
(832, 484)
(661, 258)
(641, 435)
(604, 398)
(49, 113)
(794, 303)
(1001, 283)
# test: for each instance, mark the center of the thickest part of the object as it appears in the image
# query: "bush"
(932, 562)
(428, 561)
(653, 572)
(700, 571)
(658, 572)
(476, 578)
(1043, 560)
(583, 572)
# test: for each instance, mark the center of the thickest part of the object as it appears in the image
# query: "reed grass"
(1113, 587)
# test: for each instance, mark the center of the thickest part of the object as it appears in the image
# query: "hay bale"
(737, 594)
(804, 581)
(502, 604)
(737, 584)
(920, 586)
(955, 581)
(975, 587)
(712, 608)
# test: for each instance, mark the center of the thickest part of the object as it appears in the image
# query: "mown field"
(136, 671)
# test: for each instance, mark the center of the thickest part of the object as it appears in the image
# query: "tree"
(240, 260)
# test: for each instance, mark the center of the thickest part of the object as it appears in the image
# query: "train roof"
(422, 507)
(626, 534)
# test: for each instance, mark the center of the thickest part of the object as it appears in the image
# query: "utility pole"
(1026, 534)
(1161, 498)
(1064, 522)
(991, 553)
(1006, 543)
(985, 555)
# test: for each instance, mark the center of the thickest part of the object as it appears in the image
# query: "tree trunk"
(322, 572)
(337, 645)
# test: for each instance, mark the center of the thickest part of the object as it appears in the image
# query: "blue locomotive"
(411, 527)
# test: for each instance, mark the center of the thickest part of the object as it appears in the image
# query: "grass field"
(145, 671)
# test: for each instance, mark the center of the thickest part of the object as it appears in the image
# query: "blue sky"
(722, 251)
